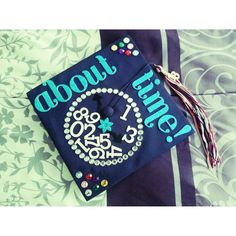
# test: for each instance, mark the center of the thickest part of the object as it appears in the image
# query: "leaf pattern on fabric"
(6, 116)
(21, 134)
(3, 133)
(31, 169)
(35, 162)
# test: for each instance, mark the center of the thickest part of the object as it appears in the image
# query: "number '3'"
(129, 138)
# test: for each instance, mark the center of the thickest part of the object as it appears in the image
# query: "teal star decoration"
(105, 125)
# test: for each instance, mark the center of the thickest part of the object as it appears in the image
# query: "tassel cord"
(200, 119)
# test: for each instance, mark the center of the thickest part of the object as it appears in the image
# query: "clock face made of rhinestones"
(101, 133)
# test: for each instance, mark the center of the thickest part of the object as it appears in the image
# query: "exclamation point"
(186, 129)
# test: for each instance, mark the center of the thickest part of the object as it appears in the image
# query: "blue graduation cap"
(108, 116)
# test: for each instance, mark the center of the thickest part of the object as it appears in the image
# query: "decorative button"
(114, 47)
(135, 53)
(126, 40)
(130, 46)
(88, 192)
(121, 51)
(78, 174)
(108, 111)
(88, 176)
(84, 184)
(95, 179)
(96, 187)
(128, 52)
(121, 45)
(104, 183)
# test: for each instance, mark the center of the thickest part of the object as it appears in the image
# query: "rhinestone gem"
(114, 47)
(88, 176)
(126, 40)
(121, 51)
(135, 53)
(130, 46)
(84, 184)
(96, 187)
(121, 45)
(88, 192)
(104, 183)
(128, 52)
(79, 174)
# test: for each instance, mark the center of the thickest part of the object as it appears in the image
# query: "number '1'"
(123, 117)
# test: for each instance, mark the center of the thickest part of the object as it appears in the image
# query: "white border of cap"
(122, 14)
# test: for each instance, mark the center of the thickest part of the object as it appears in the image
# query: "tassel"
(200, 119)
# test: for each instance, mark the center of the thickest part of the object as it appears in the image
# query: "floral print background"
(31, 170)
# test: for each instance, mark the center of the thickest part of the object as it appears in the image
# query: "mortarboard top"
(108, 116)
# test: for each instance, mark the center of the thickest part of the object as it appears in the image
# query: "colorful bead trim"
(90, 182)
(125, 47)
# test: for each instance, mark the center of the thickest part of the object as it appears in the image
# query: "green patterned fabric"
(31, 170)
(208, 70)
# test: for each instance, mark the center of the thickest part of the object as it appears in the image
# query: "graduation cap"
(108, 116)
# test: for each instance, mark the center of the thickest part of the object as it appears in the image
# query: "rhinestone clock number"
(115, 152)
(75, 125)
(98, 141)
(83, 127)
(94, 117)
(129, 138)
(84, 113)
(78, 141)
(92, 140)
(104, 138)
(123, 117)
(93, 128)
(99, 153)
